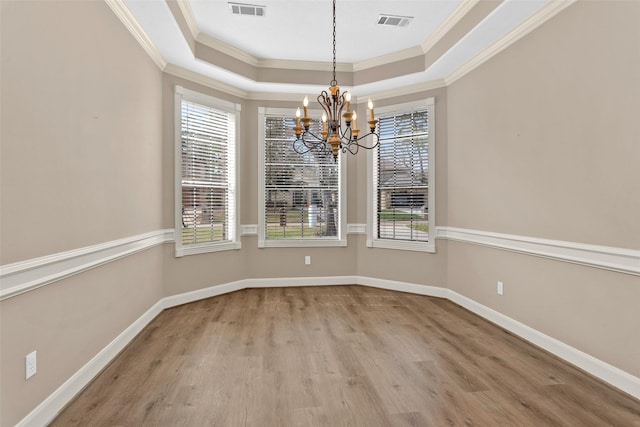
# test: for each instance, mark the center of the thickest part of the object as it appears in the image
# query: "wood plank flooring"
(338, 356)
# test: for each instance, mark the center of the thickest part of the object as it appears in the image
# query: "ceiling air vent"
(394, 21)
(247, 9)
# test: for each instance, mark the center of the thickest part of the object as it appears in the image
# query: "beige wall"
(539, 141)
(68, 323)
(543, 138)
(543, 142)
(81, 165)
(80, 130)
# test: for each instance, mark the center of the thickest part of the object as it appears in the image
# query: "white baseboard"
(412, 288)
(610, 374)
(201, 294)
(49, 408)
(281, 282)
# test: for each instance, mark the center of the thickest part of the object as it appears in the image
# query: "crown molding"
(454, 17)
(251, 60)
(390, 58)
(122, 12)
(275, 96)
(227, 49)
(304, 65)
(198, 78)
(545, 13)
(405, 90)
(189, 17)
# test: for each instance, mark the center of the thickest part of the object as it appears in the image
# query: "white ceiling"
(294, 32)
(302, 29)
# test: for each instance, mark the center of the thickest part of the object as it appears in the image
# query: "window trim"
(234, 221)
(341, 240)
(372, 159)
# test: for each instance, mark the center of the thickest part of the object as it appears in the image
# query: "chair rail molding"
(24, 276)
(620, 260)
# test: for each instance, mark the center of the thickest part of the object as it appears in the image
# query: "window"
(402, 212)
(300, 195)
(206, 191)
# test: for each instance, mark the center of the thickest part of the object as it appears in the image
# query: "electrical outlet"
(30, 365)
(500, 288)
(307, 260)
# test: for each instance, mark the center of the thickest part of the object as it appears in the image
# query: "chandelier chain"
(334, 82)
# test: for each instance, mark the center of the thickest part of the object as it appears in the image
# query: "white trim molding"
(24, 276)
(548, 11)
(356, 228)
(373, 241)
(456, 16)
(608, 373)
(338, 241)
(46, 411)
(122, 12)
(609, 258)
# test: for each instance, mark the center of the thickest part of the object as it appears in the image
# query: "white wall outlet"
(30, 365)
(500, 288)
(307, 260)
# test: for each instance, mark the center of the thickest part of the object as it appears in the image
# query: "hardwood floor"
(338, 356)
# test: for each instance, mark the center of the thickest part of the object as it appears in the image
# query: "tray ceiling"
(289, 49)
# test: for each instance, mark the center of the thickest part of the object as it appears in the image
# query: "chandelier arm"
(325, 102)
(377, 139)
(346, 134)
(300, 147)
(354, 142)
(351, 148)
(316, 138)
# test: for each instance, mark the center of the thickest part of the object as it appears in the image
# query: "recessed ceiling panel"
(302, 30)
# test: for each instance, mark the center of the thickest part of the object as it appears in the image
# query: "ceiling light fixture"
(334, 136)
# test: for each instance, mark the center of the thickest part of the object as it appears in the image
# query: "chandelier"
(335, 136)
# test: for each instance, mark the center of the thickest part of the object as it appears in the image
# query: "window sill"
(402, 245)
(204, 248)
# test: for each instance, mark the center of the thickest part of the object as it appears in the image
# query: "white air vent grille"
(247, 9)
(394, 21)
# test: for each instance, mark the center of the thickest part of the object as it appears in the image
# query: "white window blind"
(301, 191)
(402, 176)
(207, 178)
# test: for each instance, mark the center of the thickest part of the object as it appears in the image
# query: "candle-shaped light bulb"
(305, 104)
(347, 97)
(298, 117)
(370, 105)
(324, 122)
(355, 116)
